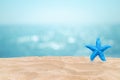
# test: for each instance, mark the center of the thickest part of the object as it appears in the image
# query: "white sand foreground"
(59, 68)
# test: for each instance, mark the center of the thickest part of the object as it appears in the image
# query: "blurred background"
(58, 27)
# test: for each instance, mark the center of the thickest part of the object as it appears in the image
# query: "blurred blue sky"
(59, 11)
(58, 27)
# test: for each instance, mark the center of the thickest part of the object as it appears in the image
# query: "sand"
(59, 68)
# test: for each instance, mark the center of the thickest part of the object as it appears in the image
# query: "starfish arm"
(105, 48)
(102, 57)
(92, 48)
(98, 43)
(94, 54)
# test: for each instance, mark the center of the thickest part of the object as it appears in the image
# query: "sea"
(57, 40)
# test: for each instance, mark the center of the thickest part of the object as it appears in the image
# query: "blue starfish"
(98, 50)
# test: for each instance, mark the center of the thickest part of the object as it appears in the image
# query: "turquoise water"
(56, 40)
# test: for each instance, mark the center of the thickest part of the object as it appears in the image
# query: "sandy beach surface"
(59, 68)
